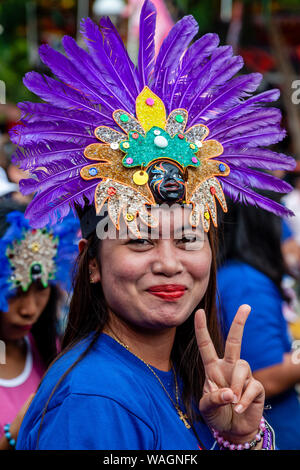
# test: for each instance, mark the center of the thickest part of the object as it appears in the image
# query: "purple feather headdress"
(153, 121)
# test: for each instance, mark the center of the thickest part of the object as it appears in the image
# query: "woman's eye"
(140, 242)
(191, 242)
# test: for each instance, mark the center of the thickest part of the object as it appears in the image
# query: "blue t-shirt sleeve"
(90, 422)
(265, 336)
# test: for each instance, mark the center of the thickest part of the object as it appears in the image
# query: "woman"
(30, 302)
(252, 268)
(134, 325)
(131, 373)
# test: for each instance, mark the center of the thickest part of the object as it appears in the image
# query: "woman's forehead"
(172, 222)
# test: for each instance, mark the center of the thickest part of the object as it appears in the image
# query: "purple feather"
(188, 68)
(63, 96)
(55, 203)
(55, 175)
(50, 132)
(37, 112)
(258, 158)
(268, 136)
(112, 97)
(173, 46)
(208, 78)
(111, 72)
(243, 108)
(114, 47)
(254, 120)
(64, 69)
(146, 57)
(258, 179)
(42, 154)
(244, 195)
(227, 96)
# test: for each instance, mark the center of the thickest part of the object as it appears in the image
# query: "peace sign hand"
(232, 401)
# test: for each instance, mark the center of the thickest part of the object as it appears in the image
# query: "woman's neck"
(153, 347)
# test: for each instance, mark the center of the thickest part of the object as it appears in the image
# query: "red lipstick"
(168, 292)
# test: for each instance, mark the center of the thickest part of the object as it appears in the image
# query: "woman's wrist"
(262, 438)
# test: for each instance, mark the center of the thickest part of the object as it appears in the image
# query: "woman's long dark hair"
(88, 315)
(44, 331)
(253, 236)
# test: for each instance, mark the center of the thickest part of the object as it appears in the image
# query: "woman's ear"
(82, 243)
(94, 271)
(93, 266)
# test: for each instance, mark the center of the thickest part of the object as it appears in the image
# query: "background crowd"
(259, 256)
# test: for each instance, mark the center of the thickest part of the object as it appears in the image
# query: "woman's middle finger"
(240, 377)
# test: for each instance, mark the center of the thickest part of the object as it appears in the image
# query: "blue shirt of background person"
(251, 269)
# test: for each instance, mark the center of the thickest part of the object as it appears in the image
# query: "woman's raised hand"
(232, 401)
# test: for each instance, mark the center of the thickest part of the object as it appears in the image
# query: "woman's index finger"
(205, 344)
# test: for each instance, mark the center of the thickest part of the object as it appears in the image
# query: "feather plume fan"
(91, 84)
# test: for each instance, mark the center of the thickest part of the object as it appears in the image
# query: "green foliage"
(13, 46)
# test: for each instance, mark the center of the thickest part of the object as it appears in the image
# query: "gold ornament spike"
(197, 175)
(197, 133)
(210, 149)
(204, 203)
(108, 135)
(150, 110)
(176, 121)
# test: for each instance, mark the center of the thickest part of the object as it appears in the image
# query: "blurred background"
(264, 32)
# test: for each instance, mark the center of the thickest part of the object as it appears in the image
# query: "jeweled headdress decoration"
(183, 128)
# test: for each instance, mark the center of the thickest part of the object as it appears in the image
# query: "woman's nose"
(28, 306)
(167, 261)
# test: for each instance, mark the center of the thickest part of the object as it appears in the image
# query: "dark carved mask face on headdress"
(166, 181)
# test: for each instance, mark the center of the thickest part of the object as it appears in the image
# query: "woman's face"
(24, 310)
(156, 282)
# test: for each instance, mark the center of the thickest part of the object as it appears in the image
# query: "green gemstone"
(179, 118)
(124, 118)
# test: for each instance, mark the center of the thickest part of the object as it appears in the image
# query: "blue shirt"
(265, 340)
(109, 401)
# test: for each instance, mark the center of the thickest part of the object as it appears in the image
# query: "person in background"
(31, 294)
(251, 267)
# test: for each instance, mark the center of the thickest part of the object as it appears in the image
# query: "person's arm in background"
(266, 345)
(15, 425)
(279, 377)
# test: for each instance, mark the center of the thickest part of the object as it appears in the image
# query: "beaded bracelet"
(8, 435)
(264, 432)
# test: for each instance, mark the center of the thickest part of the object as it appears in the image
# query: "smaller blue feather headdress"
(28, 254)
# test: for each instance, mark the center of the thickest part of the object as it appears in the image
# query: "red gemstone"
(212, 190)
(135, 135)
(180, 136)
(111, 191)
